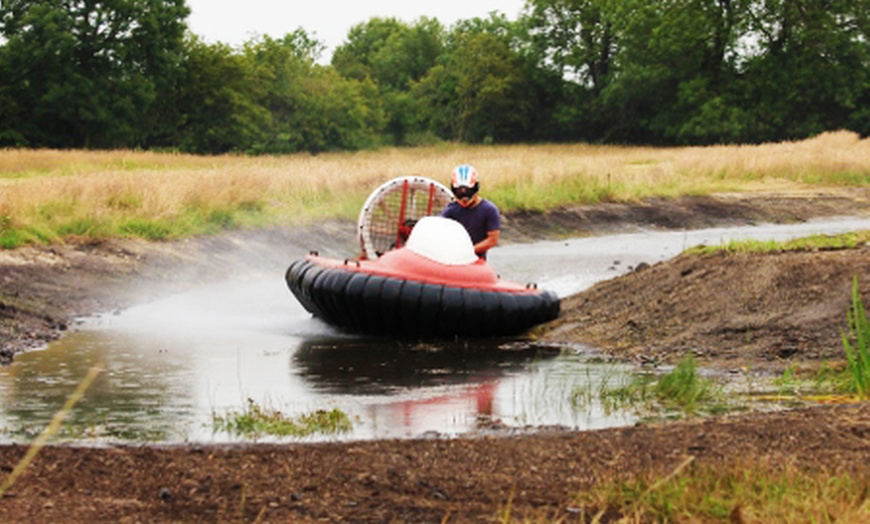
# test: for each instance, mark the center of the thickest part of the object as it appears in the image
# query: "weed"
(147, 229)
(855, 344)
(788, 383)
(256, 421)
(682, 389)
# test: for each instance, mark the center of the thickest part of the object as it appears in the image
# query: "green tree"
(574, 37)
(393, 55)
(576, 42)
(11, 121)
(676, 70)
(489, 89)
(390, 52)
(338, 113)
(219, 101)
(89, 74)
(809, 67)
(311, 107)
(481, 90)
(281, 68)
(705, 71)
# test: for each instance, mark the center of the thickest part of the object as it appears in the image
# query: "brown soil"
(742, 313)
(737, 311)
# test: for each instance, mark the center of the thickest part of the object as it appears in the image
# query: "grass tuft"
(682, 389)
(855, 343)
(256, 421)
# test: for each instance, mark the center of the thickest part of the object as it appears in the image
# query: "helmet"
(464, 176)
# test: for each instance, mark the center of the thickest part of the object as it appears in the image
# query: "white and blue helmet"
(464, 176)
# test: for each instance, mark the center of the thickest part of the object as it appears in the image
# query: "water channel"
(171, 364)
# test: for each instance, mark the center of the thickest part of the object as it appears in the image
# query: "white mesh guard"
(392, 209)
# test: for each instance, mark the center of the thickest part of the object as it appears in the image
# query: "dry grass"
(49, 195)
(742, 492)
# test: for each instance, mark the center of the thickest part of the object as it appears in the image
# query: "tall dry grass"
(48, 195)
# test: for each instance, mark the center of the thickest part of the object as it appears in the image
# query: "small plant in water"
(855, 344)
(788, 383)
(682, 388)
(256, 421)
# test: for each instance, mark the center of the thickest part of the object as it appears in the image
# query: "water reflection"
(382, 366)
(408, 390)
(128, 401)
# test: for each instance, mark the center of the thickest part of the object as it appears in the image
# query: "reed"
(50, 430)
(855, 344)
(53, 196)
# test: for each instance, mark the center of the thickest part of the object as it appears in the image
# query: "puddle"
(170, 365)
(150, 393)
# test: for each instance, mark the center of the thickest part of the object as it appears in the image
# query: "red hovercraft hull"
(404, 294)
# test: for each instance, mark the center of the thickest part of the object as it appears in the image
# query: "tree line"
(130, 74)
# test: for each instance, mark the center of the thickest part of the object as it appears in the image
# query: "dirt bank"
(736, 312)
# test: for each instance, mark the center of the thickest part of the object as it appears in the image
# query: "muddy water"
(171, 365)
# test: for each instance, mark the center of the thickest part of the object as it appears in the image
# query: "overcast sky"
(234, 22)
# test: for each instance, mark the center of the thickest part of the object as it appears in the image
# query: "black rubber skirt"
(377, 305)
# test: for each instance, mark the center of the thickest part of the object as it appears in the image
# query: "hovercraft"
(429, 285)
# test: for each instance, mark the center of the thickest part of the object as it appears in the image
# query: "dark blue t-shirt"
(478, 220)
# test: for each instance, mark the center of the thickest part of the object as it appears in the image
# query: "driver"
(479, 216)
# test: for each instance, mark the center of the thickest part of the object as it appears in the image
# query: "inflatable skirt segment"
(374, 304)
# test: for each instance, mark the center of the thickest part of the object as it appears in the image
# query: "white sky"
(234, 22)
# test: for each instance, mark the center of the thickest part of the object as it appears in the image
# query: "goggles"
(463, 192)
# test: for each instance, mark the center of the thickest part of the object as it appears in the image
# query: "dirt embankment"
(736, 312)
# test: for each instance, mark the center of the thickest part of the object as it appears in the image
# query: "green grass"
(256, 421)
(809, 243)
(682, 390)
(855, 344)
